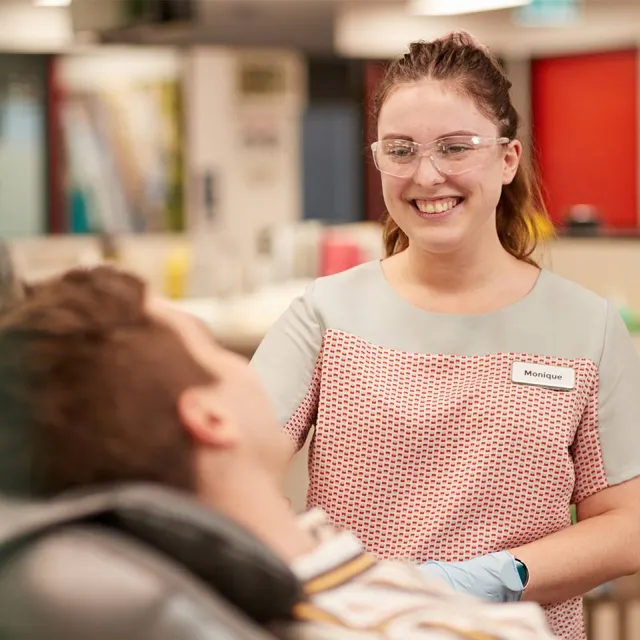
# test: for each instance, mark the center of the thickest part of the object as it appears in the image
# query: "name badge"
(542, 375)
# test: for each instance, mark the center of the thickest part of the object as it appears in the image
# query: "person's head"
(10, 285)
(99, 385)
(447, 148)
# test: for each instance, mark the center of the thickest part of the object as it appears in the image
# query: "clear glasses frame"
(451, 155)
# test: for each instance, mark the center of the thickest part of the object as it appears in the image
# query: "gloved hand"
(492, 577)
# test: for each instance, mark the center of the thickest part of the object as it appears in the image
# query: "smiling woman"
(454, 94)
(461, 398)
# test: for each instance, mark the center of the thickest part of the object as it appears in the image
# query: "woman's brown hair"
(461, 60)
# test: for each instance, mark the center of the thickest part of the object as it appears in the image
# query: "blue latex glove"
(492, 577)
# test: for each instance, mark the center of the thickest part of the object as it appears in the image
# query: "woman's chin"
(443, 240)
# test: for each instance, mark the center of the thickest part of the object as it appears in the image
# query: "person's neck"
(468, 269)
(255, 502)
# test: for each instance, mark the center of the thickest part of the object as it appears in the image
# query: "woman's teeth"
(436, 206)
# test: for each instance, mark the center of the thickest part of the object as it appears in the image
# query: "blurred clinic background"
(219, 148)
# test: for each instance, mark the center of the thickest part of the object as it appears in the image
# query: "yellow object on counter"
(177, 268)
(543, 226)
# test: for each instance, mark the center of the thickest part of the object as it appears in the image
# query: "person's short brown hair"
(89, 385)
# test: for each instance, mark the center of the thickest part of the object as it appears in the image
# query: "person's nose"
(427, 173)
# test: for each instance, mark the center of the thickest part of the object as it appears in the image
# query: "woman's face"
(429, 110)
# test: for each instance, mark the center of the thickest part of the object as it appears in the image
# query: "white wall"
(258, 185)
(26, 28)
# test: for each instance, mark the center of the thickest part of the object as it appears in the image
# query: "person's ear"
(511, 161)
(206, 421)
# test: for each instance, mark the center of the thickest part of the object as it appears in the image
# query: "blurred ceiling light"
(52, 3)
(453, 7)
(548, 13)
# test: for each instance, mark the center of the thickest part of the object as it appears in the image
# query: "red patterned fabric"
(426, 456)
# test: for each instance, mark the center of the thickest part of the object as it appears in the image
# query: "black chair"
(135, 563)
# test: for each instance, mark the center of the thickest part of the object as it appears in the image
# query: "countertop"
(240, 323)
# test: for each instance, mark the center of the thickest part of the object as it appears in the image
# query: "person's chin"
(441, 241)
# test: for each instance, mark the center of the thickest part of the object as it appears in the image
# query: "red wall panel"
(585, 127)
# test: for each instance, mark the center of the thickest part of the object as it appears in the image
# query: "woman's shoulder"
(349, 300)
(363, 280)
(575, 315)
(561, 293)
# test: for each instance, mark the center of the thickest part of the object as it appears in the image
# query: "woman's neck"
(480, 280)
(456, 272)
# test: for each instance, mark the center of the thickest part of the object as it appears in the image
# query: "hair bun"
(463, 38)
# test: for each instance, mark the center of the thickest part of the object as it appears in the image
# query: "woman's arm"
(288, 365)
(602, 546)
(605, 543)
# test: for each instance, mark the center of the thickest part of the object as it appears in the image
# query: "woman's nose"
(427, 172)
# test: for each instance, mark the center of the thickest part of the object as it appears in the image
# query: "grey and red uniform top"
(445, 437)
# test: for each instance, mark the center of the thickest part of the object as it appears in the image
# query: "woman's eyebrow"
(450, 134)
(460, 132)
(397, 136)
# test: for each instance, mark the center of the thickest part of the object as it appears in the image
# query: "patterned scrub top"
(445, 437)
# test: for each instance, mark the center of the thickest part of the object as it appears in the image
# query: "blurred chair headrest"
(142, 561)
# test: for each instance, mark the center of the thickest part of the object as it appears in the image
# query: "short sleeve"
(607, 447)
(288, 361)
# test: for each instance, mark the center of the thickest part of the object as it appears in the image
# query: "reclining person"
(100, 384)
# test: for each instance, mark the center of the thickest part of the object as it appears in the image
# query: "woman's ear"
(202, 416)
(511, 161)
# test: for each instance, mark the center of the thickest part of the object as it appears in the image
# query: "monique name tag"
(543, 375)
